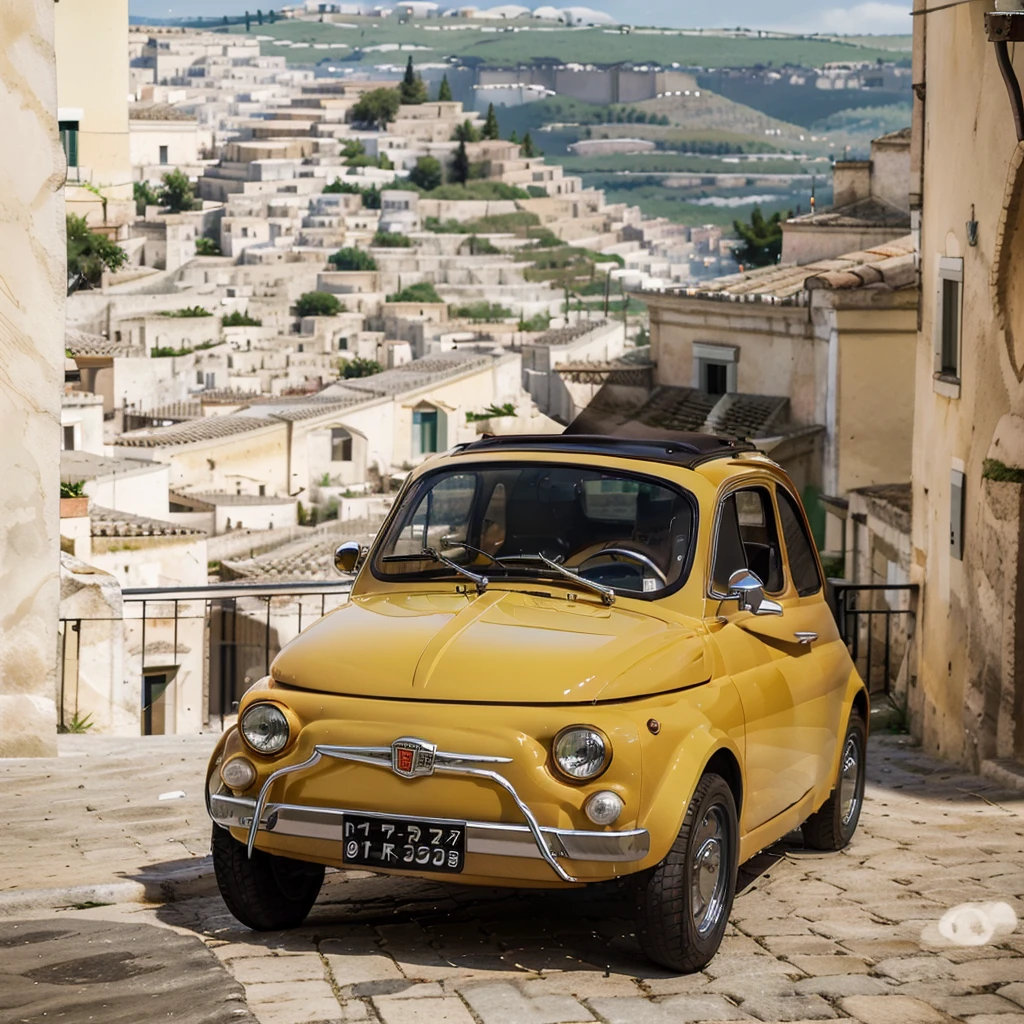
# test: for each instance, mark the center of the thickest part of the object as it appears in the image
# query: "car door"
(816, 664)
(746, 536)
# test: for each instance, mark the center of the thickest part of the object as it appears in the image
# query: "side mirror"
(745, 587)
(346, 557)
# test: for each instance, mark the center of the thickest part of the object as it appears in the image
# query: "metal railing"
(875, 631)
(213, 640)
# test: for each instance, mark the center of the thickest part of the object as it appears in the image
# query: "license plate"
(417, 845)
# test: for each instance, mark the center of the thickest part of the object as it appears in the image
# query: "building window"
(163, 154)
(341, 445)
(69, 141)
(211, 380)
(714, 368)
(69, 439)
(343, 344)
(263, 490)
(949, 308)
(199, 376)
(424, 431)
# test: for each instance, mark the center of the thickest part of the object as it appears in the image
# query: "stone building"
(967, 182)
(33, 271)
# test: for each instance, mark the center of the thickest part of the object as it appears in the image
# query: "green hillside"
(525, 40)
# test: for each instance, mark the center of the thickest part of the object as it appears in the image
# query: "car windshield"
(503, 520)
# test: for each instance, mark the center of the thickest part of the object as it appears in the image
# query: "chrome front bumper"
(492, 838)
(485, 837)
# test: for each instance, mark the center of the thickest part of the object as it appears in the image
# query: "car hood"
(498, 647)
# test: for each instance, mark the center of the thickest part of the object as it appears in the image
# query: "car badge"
(411, 757)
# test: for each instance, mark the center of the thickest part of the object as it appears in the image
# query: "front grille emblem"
(411, 757)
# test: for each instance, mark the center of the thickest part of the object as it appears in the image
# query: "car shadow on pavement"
(435, 929)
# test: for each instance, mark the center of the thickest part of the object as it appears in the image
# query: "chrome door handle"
(807, 638)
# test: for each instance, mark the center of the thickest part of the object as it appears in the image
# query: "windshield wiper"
(482, 582)
(607, 593)
(451, 542)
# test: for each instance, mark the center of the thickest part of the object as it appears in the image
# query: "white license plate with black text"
(416, 845)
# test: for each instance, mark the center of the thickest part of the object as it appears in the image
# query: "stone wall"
(32, 288)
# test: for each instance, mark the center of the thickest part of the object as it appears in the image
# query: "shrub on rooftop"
(391, 240)
(318, 304)
(188, 312)
(427, 173)
(237, 319)
(351, 258)
(359, 367)
(422, 292)
(177, 194)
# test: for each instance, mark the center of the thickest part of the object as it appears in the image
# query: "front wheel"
(265, 892)
(683, 904)
(832, 826)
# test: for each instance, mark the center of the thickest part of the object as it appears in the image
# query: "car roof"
(687, 450)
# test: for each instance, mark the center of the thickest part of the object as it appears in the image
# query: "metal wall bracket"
(1003, 28)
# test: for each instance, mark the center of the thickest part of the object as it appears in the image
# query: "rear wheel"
(265, 892)
(832, 826)
(683, 904)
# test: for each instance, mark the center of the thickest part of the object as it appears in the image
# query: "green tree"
(412, 89)
(353, 148)
(144, 195)
(444, 92)
(177, 193)
(465, 132)
(259, 16)
(317, 304)
(427, 173)
(762, 239)
(384, 162)
(391, 240)
(377, 107)
(527, 148)
(359, 367)
(272, 16)
(513, 136)
(246, 21)
(207, 247)
(89, 254)
(491, 129)
(351, 258)
(460, 164)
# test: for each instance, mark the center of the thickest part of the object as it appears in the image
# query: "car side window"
(748, 538)
(803, 565)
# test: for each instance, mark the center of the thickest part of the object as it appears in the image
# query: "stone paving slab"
(813, 936)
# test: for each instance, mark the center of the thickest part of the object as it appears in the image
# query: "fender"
(676, 756)
(854, 687)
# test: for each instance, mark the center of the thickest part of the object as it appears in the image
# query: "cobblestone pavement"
(812, 937)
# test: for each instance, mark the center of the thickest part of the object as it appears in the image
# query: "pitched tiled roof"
(105, 522)
(865, 213)
(787, 284)
(208, 429)
(81, 343)
(665, 411)
(419, 374)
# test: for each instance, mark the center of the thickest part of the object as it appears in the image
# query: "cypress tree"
(444, 93)
(460, 165)
(490, 130)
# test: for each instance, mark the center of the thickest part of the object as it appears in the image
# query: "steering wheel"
(635, 556)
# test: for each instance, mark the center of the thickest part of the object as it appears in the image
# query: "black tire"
(667, 927)
(832, 826)
(266, 892)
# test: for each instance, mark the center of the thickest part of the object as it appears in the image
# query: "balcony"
(174, 659)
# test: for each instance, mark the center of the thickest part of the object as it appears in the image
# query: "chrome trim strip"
(497, 839)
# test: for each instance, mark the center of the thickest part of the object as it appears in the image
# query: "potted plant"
(73, 501)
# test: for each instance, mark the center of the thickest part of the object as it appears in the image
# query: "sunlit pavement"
(813, 936)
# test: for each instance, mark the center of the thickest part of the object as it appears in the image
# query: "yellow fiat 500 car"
(566, 659)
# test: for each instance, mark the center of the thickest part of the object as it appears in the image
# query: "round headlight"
(581, 753)
(604, 808)
(238, 773)
(264, 728)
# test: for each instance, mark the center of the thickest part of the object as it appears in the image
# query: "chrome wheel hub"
(849, 779)
(708, 871)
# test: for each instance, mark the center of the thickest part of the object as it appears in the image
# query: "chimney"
(851, 182)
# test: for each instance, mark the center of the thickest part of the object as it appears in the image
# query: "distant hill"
(375, 40)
